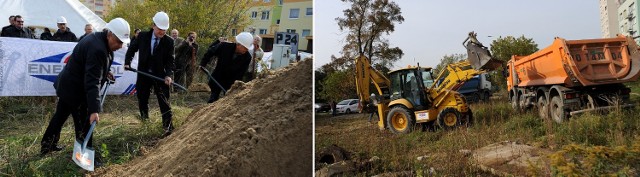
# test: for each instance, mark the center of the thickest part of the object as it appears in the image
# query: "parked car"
(322, 107)
(348, 106)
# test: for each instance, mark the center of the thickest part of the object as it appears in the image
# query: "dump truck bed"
(574, 63)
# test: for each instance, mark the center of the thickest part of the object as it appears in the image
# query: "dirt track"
(261, 128)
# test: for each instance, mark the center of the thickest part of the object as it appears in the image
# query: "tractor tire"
(543, 107)
(449, 119)
(556, 108)
(400, 120)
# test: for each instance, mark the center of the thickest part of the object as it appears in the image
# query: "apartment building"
(271, 16)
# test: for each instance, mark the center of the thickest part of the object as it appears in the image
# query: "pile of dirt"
(261, 128)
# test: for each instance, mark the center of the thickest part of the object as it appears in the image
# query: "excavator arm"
(454, 75)
(365, 76)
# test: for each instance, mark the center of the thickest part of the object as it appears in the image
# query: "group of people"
(17, 29)
(87, 70)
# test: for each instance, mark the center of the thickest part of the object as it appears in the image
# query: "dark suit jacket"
(228, 69)
(79, 81)
(161, 62)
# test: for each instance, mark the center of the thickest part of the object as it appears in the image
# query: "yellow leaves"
(580, 160)
(209, 18)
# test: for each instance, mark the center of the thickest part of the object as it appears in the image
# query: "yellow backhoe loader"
(413, 96)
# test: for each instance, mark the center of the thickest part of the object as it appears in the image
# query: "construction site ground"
(260, 128)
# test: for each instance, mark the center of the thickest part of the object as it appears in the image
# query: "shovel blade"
(83, 157)
(481, 59)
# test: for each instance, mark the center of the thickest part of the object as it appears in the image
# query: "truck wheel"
(400, 120)
(543, 106)
(476, 97)
(525, 103)
(514, 103)
(591, 103)
(467, 118)
(449, 119)
(557, 110)
(486, 97)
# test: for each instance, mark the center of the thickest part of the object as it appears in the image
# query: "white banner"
(28, 67)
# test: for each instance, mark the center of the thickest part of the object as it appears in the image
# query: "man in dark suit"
(78, 83)
(155, 56)
(233, 61)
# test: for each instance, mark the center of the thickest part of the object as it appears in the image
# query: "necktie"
(155, 45)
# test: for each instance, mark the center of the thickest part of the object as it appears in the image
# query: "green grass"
(493, 122)
(118, 138)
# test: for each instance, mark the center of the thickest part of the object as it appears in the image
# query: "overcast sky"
(436, 28)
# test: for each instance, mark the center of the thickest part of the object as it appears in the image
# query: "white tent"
(43, 13)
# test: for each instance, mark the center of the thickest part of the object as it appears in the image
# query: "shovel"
(214, 80)
(83, 156)
(156, 78)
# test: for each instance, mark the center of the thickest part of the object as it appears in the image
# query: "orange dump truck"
(574, 76)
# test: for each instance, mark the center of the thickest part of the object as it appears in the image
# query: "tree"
(186, 15)
(339, 85)
(504, 48)
(365, 22)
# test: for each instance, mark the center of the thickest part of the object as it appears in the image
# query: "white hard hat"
(161, 20)
(61, 19)
(120, 28)
(245, 39)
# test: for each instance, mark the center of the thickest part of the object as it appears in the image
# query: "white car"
(347, 106)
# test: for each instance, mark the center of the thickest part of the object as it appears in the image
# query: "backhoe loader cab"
(410, 84)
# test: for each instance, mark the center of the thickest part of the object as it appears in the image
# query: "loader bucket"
(480, 58)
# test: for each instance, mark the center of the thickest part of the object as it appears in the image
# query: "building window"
(291, 31)
(263, 31)
(309, 11)
(294, 13)
(306, 32)
(254, 15)
(280, 2)
(265, 15)
(234, 32)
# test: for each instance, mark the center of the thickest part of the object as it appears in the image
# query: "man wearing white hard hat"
(64, 33)
(79, 82)
(155, 56)
(233, 61)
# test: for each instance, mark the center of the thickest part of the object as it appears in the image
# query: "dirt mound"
(511, 159)
(261, 128)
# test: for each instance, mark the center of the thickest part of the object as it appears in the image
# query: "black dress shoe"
(167, 133)
(46, 150)
(144, 116)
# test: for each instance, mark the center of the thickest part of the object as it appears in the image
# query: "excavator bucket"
(479, 56)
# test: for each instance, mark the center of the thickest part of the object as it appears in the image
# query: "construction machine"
(413, 96)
